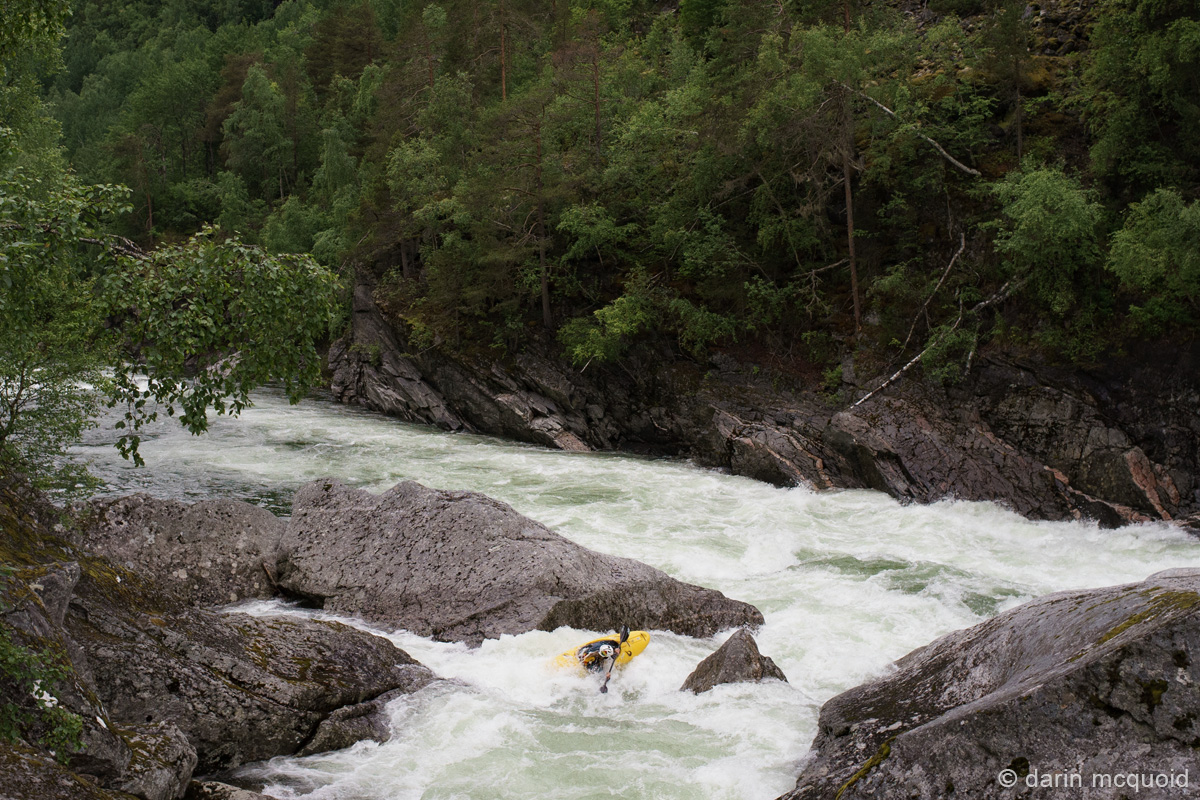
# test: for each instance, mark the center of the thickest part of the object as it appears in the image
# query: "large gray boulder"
(1096, 684)
(460, 566)
(736, 661)
(209, 553)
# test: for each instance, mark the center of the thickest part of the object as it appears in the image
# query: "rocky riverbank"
(1081, 689)
(118, 598)
(1118, 445)
(112, 606)
(136, 688)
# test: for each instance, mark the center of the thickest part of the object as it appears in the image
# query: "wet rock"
(373, 368)
(241, 688)
(460, 566)
(768, 451)
(368, 720)
(736, 661)
(103, 755)
(209, 553)
(162, 687)
(1092, 682)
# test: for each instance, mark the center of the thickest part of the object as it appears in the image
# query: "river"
(848, 581)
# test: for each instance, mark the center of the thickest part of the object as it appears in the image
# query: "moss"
(874, 761)
(1161, 602)
(1152, 692)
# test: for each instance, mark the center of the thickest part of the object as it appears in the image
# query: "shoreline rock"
(1049, 443)
(162, 688)
(1090, 682)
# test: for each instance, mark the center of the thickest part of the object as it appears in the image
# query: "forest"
(788, 180)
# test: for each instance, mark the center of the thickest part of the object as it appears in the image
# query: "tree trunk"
(405, 267)
(850, 234)
(848, 121)
(547, 317)
(1020, 131)
(596, 89)
(503, 56)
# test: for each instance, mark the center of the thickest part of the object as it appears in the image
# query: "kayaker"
(601, 656)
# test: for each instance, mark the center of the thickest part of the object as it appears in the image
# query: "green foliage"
(1157, 254)
(945, 361)
(255, 137)
(31, 23)
(28, 711)
(1049, 235)
(1143, 94)
(208, 321)
(506, 165)
(831, 379)
(612, 329)
(52, 345)
(698, 327)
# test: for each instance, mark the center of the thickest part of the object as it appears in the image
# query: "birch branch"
(961, 247)
(1003, 293)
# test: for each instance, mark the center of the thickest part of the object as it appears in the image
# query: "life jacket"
(596, 656)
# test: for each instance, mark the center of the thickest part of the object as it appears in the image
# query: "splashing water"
(848, 581)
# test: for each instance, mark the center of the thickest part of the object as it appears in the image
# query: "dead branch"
(924, 306)
(936, 146)
(120, 245)
(1003, 293)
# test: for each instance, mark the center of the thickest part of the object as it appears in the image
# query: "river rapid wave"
(848, 581)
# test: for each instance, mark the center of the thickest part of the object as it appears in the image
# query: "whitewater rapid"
(848, 581)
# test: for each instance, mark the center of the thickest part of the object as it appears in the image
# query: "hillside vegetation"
(790, 177)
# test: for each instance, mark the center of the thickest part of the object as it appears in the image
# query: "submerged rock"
(1094, 684)
(736, 661)
(460, 566)
(209, 553)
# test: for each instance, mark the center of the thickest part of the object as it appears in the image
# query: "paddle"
(613, 663)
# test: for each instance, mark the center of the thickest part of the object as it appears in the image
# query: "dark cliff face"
(1116, 445)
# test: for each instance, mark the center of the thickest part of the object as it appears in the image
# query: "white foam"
(848, 581)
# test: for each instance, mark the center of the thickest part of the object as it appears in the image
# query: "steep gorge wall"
(1118, 447)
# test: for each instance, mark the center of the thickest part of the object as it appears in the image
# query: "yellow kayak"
(632, 646)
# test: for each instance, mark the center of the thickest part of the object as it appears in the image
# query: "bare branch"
(1003, 293)
(962, 246)
(936, 146)
(119, 244)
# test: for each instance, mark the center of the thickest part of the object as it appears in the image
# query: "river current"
(848, 581)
